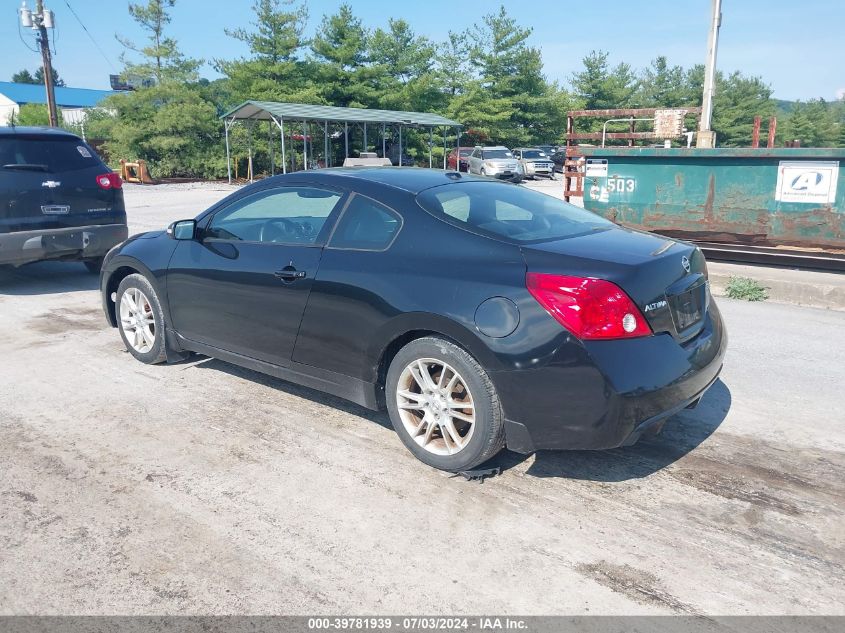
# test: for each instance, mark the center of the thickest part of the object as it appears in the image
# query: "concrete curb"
(799, 287)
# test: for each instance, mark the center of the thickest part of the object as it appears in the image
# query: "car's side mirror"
(182, 230)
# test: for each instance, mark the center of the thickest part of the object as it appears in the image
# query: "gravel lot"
(204, 488)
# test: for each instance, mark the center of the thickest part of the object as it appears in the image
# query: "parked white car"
(497, 162)
(535, 162)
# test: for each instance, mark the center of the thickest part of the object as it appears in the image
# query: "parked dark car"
(57, 199)
(479, 313)
(453, 160)
(559, 160)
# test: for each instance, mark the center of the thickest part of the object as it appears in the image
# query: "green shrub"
(746, 288)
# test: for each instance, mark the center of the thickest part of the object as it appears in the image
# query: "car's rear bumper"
(613, 393)
(80, 242)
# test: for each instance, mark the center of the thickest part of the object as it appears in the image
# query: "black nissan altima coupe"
(480, 314)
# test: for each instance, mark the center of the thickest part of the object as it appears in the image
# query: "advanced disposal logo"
(812, 182)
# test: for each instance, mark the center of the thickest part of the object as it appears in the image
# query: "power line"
(84, 28)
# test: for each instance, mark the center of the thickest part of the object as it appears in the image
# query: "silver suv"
(497, 162)
(535, 162)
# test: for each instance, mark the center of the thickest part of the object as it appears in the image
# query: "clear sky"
(797, 47)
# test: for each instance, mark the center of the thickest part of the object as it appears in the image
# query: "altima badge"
(685, 263)
(51, 184)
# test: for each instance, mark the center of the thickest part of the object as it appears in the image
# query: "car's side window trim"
(322, 237)
(390, 210)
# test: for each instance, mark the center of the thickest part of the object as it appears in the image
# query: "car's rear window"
(509, 211)
(47, 154)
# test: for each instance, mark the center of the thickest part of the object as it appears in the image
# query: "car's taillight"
(589, 308)
(109, 181)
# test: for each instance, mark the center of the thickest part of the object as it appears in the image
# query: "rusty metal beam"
(621, 112)
(773, 127)
(596, 136)
(755, 135)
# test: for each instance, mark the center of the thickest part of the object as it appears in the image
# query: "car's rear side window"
(48, 154)
(365, 225)
(509, 211)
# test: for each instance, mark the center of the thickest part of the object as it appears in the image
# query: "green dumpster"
(790, 196)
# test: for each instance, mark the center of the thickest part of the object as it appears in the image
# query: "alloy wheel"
(435, 406)
(137, 320)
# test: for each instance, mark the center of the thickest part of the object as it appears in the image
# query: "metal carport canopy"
(278, 112)
(267, 110)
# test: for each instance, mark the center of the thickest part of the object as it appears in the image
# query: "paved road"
(201, 487)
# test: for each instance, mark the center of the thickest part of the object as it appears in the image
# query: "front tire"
(443, 405)
(140, 320)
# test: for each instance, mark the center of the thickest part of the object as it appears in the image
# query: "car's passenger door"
(344, 311)
(243, 283)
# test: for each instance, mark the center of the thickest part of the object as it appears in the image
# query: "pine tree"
(453, 65)
(402, 63)
(161, 59)
(662, 86)
(737, 101)
(168, 122)
(275, 70)
(513, 101)
(24, 77)
(603, 88)
(340, 47)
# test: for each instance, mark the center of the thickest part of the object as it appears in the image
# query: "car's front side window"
(290, 215)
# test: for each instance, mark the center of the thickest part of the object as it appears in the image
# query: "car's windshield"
(533, 153)
(496, 153)
(509, 211)
(46, 154)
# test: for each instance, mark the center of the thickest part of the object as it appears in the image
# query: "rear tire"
(429, 418)
(140, 320)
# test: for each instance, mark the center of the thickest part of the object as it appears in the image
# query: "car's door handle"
(289, 274)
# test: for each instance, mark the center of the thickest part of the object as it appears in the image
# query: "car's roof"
(35, 131)
(411, 179)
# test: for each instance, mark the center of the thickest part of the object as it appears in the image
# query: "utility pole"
(40, 21)
(46, 60)
(706, 136)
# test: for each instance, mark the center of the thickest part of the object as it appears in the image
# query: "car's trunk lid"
(665, 278)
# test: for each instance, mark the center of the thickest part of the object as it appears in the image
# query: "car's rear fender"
(400, 331)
